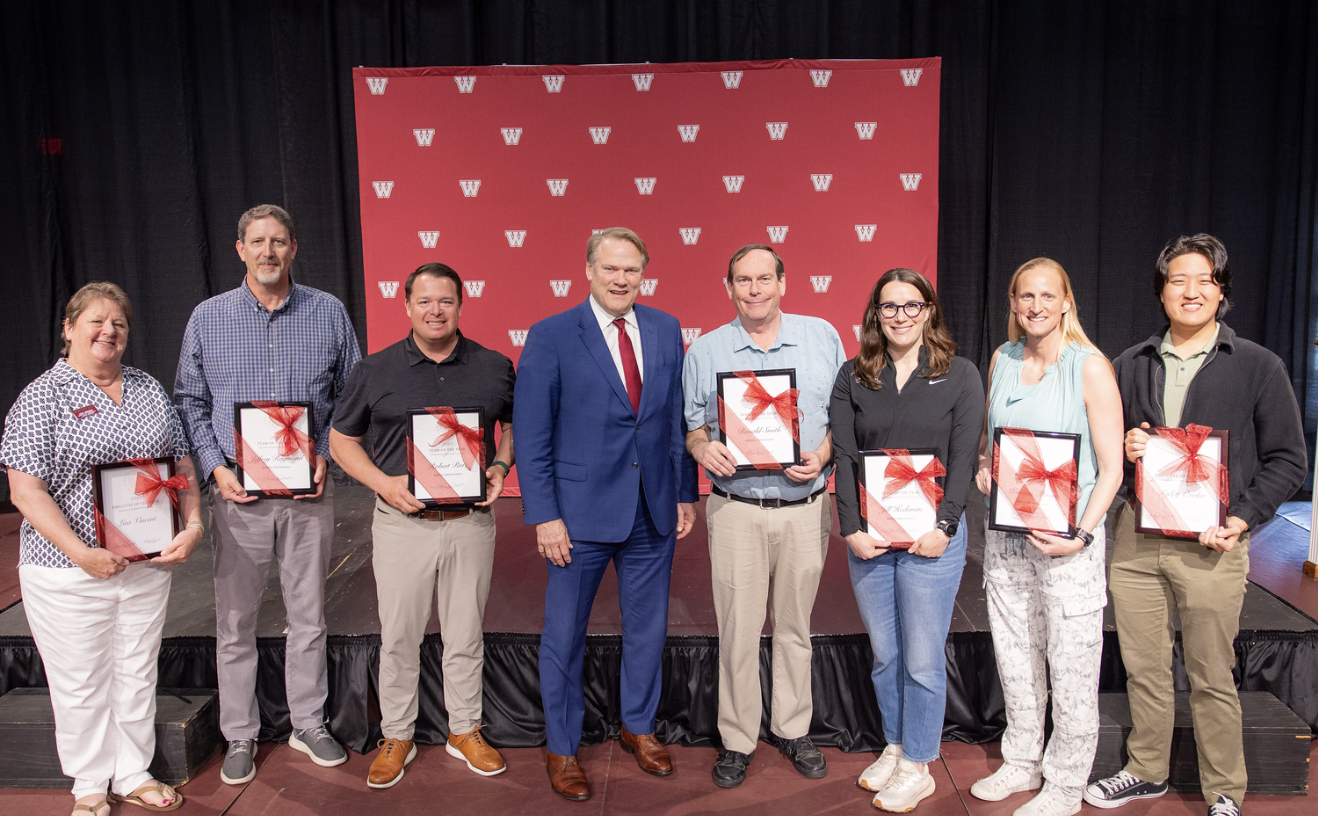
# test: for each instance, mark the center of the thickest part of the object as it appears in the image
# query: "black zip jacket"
(1242, 388)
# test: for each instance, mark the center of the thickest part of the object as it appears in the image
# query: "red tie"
(631, 373)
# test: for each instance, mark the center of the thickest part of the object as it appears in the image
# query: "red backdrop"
(503, 172)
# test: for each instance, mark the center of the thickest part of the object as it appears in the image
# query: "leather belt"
(771, 504)
(444, 515)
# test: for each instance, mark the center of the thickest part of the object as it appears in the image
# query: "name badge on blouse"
(85, 411)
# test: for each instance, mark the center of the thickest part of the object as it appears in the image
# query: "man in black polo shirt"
(426, 556)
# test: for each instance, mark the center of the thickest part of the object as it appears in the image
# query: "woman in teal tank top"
(1046, 593)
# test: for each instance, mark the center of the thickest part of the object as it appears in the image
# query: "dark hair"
(1202, 244)
(86, 296)
(748, 249)
(434, 270)
(266, 211)
(618, 234)
(937, 339)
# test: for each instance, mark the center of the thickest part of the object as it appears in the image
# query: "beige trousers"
(420, 564)
(762, 557)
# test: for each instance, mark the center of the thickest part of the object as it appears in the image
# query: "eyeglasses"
(912, 309)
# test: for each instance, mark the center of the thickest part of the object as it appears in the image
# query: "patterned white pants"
(1044, 608)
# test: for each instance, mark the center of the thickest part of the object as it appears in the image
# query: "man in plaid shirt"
(276, 340)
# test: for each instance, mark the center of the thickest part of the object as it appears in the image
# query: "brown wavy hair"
(937, 340)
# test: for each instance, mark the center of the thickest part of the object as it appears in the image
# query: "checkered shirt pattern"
(43, 438)
(235, 350)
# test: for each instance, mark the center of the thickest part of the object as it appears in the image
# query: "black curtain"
(132, 135)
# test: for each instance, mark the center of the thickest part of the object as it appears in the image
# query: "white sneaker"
(1051, 801)
(910, 784)
(880, 771)
(1005, 781)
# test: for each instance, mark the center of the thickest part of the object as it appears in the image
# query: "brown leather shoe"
(566, 777)
(387, 767)
(476, 752)
(651, 755)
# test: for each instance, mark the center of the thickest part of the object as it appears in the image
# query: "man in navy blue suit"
(605, 476)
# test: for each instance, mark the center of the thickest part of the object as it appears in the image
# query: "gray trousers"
(297, 534)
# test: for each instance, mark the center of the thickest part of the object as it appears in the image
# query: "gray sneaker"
(239, 763)
(317, 743)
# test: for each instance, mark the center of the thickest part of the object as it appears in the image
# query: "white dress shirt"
(611, 337)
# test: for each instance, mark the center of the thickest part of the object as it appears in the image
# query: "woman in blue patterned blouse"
(96, 618)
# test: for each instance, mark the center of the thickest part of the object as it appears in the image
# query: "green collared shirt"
(1180, 371)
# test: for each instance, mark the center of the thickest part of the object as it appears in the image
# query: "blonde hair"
(1071, 329)
(85, 297)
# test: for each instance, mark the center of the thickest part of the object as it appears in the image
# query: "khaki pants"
(774, 557)
(1150, 576)
(417, 564)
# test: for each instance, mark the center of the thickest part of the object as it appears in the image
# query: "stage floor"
(516, 602)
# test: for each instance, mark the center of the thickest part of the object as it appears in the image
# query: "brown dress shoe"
(476, 752)
(566, 777)
(651, 755)
(387, 767)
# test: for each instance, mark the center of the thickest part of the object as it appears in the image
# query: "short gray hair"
(266, 211)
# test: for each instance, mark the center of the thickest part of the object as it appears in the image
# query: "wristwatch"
(949, 528)
(1084, 535)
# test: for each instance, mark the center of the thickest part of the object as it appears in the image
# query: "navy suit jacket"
(583, 454)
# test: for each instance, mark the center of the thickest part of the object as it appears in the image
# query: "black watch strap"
(1084, 535)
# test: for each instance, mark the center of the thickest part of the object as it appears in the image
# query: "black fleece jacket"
(1242, 388)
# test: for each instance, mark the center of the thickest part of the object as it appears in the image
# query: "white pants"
(99, 641)
(1043, 608)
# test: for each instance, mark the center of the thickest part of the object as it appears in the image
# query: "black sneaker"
(805, 757)
(1116, 791)
(1224, 806)
(730, 769)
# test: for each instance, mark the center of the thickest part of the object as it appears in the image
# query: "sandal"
(165, 791)
(93, 808)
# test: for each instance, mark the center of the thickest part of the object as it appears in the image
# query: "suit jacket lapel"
(651, 359)
(599, 349)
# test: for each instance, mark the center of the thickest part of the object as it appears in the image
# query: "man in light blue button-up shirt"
(767, 528)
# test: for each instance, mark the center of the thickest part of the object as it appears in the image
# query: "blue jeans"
(906, 603)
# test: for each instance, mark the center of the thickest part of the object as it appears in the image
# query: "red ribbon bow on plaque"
(1061, 480)
(470, 440)
(290, 439)
(1189, 439)
(149, 483)
(901, 471)
(784, 404)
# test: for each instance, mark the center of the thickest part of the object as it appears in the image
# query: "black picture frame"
(721, 380)
(413, 414)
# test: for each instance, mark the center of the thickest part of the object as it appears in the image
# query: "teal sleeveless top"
(1055, 403)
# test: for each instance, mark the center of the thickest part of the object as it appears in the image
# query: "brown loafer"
(479, 755)
(651, 755)
(387, 767)
(566, 777)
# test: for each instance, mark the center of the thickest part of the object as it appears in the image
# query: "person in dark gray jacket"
(1197, 371)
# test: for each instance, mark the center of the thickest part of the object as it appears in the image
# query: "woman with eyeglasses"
(1046, 593)
(906, 390)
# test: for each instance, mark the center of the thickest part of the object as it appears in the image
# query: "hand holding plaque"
(1035, 481)
(758, 418)
(900, 494)
(136, 506)
(446, 455)
(274, 448)
(1181, 483)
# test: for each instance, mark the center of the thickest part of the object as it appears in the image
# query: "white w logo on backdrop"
(911, 76)
(688, 132)
(382, 188)
(648, 285)
(557, 187)
(474, 287)
(821, 282)
(865, 130)
(910, 181)
(424, 136)
(465, 83)
(777, 234)
(470, 187)
(689, 335)
(553, 82)
(731, 81)
(560, 287)
(689, 235)
(600, 135)
(865, 232)
(820, 78)
(511, 136)
(777, 130)
(642, 81)
(821, 180)
(645, 186)
(428, 238)
(377, 84)
(515, 237)
(518, 336)
(388, 289)
(733, 183)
